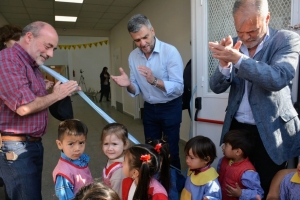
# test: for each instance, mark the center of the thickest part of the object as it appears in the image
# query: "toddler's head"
(237, 143)
(96, 191)
(162, 148)
(114, 140)
(72, 135)
(141, 162)
(200, 152)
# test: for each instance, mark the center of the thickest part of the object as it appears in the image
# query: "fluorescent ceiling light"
(71, 1)
(65, 19)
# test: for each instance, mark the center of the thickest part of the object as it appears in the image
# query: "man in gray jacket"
(259, 66)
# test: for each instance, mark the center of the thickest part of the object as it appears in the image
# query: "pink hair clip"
(145, 158)
(158, 147)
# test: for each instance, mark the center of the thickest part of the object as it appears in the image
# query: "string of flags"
(74, 46)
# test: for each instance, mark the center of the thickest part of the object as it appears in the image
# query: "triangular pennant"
(74, 46)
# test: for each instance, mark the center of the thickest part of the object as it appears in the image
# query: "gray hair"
(261, 6)
(136, 22)
(34, 28)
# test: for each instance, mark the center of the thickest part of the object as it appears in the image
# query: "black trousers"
(105, 90)
(259, 157)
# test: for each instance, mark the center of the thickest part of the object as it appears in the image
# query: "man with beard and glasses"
(259, 66)
(23, 109)
(156, 71)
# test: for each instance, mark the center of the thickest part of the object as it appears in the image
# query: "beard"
(40, 60)
(146, 49)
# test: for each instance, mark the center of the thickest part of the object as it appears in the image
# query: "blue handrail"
(87, 99)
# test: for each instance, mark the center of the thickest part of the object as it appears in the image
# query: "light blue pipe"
(87, 99)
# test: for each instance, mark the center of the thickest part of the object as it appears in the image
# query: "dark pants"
(164, 119)
(259, 157)
(105, 90)
(22, 177)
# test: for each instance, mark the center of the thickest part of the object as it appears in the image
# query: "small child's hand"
(205, 198)
(234, 192)
(258, 197)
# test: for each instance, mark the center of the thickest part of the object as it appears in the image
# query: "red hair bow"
(145, 158)
(158, 147)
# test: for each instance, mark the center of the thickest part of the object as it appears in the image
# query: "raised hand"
(147, 73)
(225, 52)
(65, 89)
(121, 80)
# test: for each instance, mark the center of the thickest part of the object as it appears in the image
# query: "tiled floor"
(95, 123)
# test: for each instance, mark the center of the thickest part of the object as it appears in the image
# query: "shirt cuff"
(237, 65)
(226, 71)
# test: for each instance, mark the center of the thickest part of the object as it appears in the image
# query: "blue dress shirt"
(166, 64)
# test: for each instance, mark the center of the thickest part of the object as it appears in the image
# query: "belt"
(20, 138)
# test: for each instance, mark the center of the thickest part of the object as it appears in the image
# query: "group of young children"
(143, 171)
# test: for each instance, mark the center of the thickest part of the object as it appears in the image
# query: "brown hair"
(146, 168)
(202, 147)
(9, 32)
(96, 191)
(164, 172)
(71, 127)
(240, 139)
(117, 129)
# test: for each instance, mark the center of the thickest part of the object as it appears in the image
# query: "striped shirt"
(21, 82)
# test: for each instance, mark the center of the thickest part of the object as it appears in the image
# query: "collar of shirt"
(197, 171)
(25, 55)
(156, 48)
(82, 161)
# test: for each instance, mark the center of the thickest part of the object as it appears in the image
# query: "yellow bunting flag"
(74, 46)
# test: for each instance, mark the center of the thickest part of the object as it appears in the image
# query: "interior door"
(211, 21)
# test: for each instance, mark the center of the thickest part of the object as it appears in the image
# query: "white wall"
(171, 20)
(90, 60)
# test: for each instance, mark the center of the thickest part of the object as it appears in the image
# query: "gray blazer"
(269, 73)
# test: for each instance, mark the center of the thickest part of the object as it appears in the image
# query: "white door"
(211, 21)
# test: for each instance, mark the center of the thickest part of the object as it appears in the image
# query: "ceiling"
(92, 14)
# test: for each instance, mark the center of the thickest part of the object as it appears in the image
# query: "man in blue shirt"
(156, 71)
